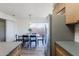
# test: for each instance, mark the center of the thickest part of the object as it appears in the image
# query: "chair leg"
(43, 42)
(30, 44)
(35, 43)
(38, 42)
(23, 44)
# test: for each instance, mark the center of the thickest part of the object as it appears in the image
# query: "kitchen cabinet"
(59, 51)
(71, 12)
(66, 48)
(58, 7)
(10, 48)
(16, 51)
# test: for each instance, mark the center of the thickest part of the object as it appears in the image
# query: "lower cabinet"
(59, 51)
(16, 51)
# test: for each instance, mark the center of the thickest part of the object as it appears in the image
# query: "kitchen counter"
(7, 47)
(70, 46)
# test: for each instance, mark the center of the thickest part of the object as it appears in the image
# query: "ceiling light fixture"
(29, 19)
(30, 16)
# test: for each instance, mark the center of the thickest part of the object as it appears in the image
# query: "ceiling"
(22, 10)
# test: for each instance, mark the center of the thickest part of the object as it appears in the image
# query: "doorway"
(2, 30)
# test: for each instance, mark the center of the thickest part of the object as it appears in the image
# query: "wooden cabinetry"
(58, 7)
(16, 51)
(71, 12)
(59, 51)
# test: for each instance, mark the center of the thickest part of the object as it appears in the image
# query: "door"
(2, 30)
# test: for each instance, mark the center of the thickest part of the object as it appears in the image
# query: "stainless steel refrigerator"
(59, 31)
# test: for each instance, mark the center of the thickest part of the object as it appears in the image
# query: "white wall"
(10, 31)
(10, 26)
(39, 20)
(23, 24)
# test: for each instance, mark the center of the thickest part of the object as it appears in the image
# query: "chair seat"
(33, 40)
(18, 39)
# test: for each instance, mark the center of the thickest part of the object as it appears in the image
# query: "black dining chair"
(42, 39)
(18, 38)
(25, 40)
(33, 38)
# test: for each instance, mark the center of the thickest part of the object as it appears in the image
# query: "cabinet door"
(58, 8)
(59, 51)
(72, 13)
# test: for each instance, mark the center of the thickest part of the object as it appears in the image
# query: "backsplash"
(77, 32)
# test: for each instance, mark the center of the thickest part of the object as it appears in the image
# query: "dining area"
(31, 40)
(34, 41)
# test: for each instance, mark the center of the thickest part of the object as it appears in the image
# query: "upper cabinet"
(58, 7)
(71, 12)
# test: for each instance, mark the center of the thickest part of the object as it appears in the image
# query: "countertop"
(7, 47)
(70, 46)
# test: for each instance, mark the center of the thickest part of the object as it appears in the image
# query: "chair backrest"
(25, 37)
(33, 37)
(16, 37)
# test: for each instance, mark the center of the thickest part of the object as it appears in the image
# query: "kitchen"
(63, 36)
(18, 24)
